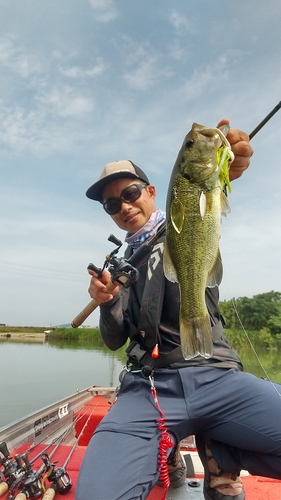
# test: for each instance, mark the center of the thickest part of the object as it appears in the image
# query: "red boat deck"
(256, 488)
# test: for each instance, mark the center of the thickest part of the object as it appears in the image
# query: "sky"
(87, 82)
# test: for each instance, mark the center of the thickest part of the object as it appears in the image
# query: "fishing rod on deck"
(58, 475)
(17, 472)
(61, 438)
(31, 483)
(21, 476)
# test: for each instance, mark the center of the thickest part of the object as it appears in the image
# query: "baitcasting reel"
(60, 479)
(31, 480)
(121, 270)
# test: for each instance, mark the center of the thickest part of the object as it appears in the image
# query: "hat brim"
(94, 192)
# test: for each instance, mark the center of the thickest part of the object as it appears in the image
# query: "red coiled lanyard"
(165, 442)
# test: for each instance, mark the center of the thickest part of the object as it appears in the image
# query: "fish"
(196, 201)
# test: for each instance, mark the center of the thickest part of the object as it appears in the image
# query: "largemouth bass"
(195, 203)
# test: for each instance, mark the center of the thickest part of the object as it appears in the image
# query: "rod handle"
(80, 318)
(49, 494)
(3, 488)
(21, 496)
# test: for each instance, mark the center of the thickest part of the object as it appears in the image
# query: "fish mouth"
(211, 135)
(214, 135)
(199, 156)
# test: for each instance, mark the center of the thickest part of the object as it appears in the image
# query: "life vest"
(148, 334)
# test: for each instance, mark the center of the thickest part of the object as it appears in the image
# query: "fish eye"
(189, 143)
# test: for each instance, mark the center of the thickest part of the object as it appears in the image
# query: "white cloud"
(133, 51)
(17, 127)
(144, 75)
(6, 50)
(181, 23)
(23, 63)
(51, 122)
(178, 51)
(146, 69)
(105, 10)
(30, 130)
(65, 101)
(79, 72)
(65, 55)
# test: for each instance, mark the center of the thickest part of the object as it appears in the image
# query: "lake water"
(33, 375)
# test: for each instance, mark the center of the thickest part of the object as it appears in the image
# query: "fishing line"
(251, 135)
(61, 437)
(61, 472)
(254, 350)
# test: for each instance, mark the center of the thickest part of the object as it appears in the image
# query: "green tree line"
(260, 316)
(260, 311)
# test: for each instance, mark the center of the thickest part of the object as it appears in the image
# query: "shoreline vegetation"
(260, 317)
(237, 338)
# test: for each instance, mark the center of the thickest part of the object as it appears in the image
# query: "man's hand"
(98, 289)
(241, 148)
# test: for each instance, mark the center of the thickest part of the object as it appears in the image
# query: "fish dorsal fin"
(215, 275)
(177, 215)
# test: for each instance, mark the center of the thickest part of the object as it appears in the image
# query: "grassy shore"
(52, 333)
(22, 329)
(235, 337)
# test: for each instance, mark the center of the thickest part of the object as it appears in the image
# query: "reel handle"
(26, 461)
(80, 318)
(4, 449)
(141, 253)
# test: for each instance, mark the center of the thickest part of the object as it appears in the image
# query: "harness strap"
(138, 356)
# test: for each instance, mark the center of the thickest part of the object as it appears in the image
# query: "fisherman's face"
(131, 216)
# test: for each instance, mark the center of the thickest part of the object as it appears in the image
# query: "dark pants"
(239, 412)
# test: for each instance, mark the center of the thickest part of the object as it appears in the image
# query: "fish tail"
(196, 337)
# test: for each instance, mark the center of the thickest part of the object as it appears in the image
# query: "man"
(227, 409)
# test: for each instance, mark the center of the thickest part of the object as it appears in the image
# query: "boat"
(41, 454)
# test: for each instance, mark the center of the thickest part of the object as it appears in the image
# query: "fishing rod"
(265, 120)
(18, 472)
(10, 468)
(123, 271)
(27, 479)
(61, 437)
(45, 439)
(60, 478)
(12, 473)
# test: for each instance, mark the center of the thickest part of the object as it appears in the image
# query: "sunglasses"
(128, 195)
